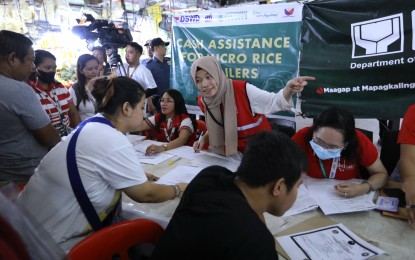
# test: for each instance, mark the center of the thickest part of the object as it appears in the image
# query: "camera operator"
(139, 73)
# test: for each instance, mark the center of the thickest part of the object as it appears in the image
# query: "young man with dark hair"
(221, 213)
(26, 133)
(139, 72)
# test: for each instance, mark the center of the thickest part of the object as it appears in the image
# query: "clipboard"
(317, 221)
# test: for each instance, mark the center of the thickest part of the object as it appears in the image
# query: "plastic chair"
(201, 126)
(390, 151)
(285, 126)
(11, 244)
(115, 240)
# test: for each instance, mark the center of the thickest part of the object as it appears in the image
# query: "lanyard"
(332, 170)
(44, 95)
(132, 73)
(168, 137)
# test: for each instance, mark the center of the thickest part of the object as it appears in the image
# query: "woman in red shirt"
(171, 125)
(335, 149)
(53, 96)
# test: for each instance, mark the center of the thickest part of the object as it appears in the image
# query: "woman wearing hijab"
(235, 109)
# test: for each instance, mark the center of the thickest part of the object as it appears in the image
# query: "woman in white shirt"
(87, 68)
(99, 153)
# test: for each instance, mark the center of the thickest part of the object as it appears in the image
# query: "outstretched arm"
(296, 85)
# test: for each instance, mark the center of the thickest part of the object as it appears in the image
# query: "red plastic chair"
(117, 239)
(11, 244)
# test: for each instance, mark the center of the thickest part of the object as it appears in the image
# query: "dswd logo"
(380, 36)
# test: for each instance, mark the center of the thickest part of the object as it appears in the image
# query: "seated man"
(221, 213)
(406, 164)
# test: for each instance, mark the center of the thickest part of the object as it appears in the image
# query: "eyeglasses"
(330, 148)
(166, 100)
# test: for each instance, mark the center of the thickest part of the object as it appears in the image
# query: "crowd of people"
(73, 143)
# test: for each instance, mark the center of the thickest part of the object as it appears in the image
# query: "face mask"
(322, 153)
(47, 77)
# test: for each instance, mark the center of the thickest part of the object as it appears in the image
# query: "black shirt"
(214, 221)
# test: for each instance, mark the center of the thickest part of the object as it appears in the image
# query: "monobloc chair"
(390, 152)
(116, 239)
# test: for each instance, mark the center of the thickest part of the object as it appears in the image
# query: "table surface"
(392, 235)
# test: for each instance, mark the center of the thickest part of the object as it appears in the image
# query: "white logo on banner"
(413, 30)
(380, 36)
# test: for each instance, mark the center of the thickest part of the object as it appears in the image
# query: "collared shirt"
(161, 73)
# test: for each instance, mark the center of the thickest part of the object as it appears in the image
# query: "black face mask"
(47, 77)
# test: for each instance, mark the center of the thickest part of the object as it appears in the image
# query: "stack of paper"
(323, 191)
(179, 174)
(303, 203)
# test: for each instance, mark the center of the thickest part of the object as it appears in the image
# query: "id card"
(387, 204)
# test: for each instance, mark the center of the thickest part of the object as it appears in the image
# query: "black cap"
(157, 42)
(148, 42)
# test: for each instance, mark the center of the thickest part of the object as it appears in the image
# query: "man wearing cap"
(149, 53)
(159, 66)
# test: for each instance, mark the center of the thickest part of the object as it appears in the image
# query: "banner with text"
(259, 44)
(362, 54)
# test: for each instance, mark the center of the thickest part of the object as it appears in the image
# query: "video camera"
(109, 36)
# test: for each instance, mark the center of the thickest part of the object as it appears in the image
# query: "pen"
(198, 140)
(410, 206)
(175, 160)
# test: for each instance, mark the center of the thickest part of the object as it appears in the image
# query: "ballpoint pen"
(198, 140)
(410, 206)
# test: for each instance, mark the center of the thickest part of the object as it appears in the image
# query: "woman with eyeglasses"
(172, 125)
(337, 150)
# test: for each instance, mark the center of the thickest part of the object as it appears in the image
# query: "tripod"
(116, 62)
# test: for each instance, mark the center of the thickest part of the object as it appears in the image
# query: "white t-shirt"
(140, 74)
(106, 162)
(264, 102)
(86, 110)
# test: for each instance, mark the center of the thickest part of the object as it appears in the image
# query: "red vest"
(248, 123)
(173, 132)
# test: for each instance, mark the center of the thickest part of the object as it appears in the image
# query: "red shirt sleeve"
(407, 132)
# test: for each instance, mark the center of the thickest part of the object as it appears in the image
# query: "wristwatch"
(165, 147)
(177, 191)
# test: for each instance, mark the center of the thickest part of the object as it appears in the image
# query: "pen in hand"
(198, 140)
(410, 206)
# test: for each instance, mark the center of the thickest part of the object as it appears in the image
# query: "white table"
(392, 235)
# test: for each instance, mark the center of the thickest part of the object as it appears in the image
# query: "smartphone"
(396, 193)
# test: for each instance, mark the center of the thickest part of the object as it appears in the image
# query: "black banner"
(362, 54)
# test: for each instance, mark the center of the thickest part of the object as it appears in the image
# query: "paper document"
(303, 203)
(331, 242)
(208, 159)
(179, 174)
(183, 151)
(141, 146)
(154, 159)
(322, 190)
